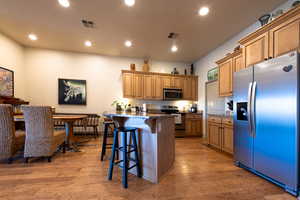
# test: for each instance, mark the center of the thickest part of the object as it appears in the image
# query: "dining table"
(69, 121)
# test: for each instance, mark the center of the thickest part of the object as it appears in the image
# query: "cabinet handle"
(270, 57)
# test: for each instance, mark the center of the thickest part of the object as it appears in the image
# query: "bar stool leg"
(137, 160)
(117, 145)
(104, 141)
(112, 159)
(125, 161)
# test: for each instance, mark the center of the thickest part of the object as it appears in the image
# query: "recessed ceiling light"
(64, 3)
(129, 3)
(88, 43)
(174, 48)
(128, 43)
(203, 11)
(32, 37)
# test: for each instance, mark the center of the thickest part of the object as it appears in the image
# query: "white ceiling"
(147, 24)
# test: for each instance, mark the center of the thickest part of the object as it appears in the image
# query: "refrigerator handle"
(253, 101)
(249, 108)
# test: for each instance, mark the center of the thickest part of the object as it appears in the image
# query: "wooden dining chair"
(41, 138)
(10, 140)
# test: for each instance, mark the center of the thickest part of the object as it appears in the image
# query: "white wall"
(12, 57)
(204, 64)
(103, 75)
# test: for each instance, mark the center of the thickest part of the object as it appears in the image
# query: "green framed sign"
(212, 75)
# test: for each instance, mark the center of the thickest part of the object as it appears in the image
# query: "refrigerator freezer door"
(276, 137)
(243, 141)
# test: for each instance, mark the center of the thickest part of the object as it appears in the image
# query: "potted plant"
(120, 105)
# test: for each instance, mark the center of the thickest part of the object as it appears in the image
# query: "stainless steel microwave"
(172, 94)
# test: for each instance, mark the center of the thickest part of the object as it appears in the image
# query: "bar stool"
(126, 150)
(107, 123)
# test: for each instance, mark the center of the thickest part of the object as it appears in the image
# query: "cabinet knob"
(270, 57)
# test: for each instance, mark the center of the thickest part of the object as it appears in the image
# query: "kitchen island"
(156, 141)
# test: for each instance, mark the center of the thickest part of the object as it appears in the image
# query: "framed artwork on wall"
(6, 82)
(71, 92)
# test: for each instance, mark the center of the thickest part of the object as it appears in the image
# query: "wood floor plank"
(199, 173)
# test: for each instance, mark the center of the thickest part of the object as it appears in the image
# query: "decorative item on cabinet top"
(212, 75)
(146, 66)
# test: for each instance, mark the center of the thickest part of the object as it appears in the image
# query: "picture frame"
(213, 74)
(72, 92)
(6, 82)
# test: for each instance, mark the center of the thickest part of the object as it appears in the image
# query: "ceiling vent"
(88, 24)
(173, 35)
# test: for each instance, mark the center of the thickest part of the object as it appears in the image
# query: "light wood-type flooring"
(199, 173)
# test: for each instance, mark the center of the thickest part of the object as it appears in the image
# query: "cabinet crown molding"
(282, 18)
(157, 73)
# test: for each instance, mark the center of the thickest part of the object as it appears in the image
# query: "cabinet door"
(138, 83)
(284, 38)
(178, 82)
(225, 78)
(148, 87)
(158, 87)
(187, 88)
(214, 135)
(167, 81)
(194, 89)
(227, 139)
(256, 50)
(188, 126)
(237, 63)
(127, 85)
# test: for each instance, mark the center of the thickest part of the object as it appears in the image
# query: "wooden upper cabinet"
(138, 86)
(167, 81)
(237, 63)
(148, 86)
(158, 87)
(285, 37)
(225, 77)
(187, 88)
(256, 50)
(194, 89)
(128, 85)
(177, 82)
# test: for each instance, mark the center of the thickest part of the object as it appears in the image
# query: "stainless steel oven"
(172, 94)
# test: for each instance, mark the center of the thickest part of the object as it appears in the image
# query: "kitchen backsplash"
(182, 105)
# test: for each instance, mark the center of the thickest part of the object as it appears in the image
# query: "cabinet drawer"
(227, 121)
(193, 116)
(215, 119)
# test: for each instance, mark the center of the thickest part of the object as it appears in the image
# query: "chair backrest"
(39, 123)
(7, 130)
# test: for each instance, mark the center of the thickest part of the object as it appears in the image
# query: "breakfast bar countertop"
(143, 115)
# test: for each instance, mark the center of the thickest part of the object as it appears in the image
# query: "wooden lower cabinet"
(220, 135)
(214, 135)
(227, 139)
(193, 124)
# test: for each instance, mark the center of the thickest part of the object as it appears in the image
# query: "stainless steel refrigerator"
(266, 120)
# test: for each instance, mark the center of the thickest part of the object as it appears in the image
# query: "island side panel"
(166, 145)
(147, 142)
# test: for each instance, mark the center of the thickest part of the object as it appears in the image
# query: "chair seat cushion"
(59, 135)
